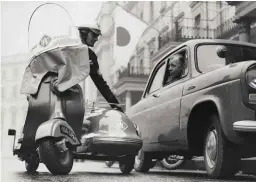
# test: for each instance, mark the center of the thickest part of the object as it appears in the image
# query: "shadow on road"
(193, 176)
(200, 175)
(37, 175)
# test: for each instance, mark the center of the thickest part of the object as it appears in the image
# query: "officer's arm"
(104, 89)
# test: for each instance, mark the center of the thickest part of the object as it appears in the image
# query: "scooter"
(55, 130)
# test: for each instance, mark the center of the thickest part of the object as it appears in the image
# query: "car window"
(157, 82)
(208, 60)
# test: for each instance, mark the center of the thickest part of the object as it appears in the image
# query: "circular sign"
(122, 36)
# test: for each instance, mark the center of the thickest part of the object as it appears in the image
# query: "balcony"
(226, 29)
(131, 79)
(184, 33)
(132, 71)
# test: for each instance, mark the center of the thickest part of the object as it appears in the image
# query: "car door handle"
(156, 95)
(191, 87)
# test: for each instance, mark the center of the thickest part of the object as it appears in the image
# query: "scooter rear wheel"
(32, 162)
(57, 162)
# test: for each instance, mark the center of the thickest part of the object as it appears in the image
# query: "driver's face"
(175, 64)
(175, 67)
(89, 38)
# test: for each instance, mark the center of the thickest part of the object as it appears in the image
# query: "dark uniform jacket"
(99, 81)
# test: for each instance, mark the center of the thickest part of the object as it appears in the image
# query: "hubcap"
(211, 149)
(62, 145)
(64, 157)
(172, 159)
(62, 151)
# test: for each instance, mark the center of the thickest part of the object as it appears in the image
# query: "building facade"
(245, 13)
(169, 24)
(13, 104)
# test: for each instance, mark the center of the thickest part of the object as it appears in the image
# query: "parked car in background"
(200, 100)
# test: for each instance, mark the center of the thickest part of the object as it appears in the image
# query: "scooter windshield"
(56, 47)
(50, 27)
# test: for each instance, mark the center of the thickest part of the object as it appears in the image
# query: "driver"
(89, 35)
(176, 68)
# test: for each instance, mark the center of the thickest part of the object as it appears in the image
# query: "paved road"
(14, 171)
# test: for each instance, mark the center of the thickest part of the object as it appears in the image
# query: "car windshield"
(207, 58)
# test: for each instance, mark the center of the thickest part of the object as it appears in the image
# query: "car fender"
(56, 128)
(216, 101)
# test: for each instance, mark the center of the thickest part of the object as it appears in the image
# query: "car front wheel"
(143, 162)
(220, 156)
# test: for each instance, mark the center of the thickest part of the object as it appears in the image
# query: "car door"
(143, 112)
(161, 114)
(168, 100)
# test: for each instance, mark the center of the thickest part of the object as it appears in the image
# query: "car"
(200, 100)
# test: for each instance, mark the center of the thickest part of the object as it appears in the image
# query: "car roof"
(225, 41)
(194, 42)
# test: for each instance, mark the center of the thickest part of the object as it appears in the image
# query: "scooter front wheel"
(58, 161)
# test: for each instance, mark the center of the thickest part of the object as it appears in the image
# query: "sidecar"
(108, 134)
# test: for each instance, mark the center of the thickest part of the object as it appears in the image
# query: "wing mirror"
(222, 51)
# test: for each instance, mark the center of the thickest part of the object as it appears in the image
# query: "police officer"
(89, 35)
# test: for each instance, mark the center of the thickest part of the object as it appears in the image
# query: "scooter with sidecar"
(52, 133)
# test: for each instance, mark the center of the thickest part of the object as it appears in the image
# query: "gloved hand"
(54, 87)
(74, 89)
(118, 108)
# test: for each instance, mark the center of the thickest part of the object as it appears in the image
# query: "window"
(151, 10)
(141, 63)
(197, 25)
(139, 68)
(141, 14)
(152, 47)
(208, 60)
(163, 6)
(158, 77)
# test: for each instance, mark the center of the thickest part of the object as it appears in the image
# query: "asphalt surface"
(13, 170)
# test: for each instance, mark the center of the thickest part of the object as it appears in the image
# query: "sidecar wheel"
(109, 163)
(32, 162)
(126, 164)
(172, 162)
(57, 162)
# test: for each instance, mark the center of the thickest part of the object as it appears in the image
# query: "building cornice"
(232, 3)
(130, 84)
